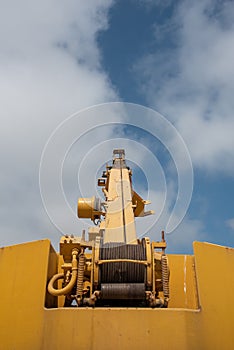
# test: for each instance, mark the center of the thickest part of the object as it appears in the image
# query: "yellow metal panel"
(119, 199)
(23, 274)
(128, 209)
(26, 324)
(114, 231)
(53, 262)
(183, 286)
(214, 266)
(121, 329)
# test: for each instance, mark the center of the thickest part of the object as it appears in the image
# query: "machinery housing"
(113, 268)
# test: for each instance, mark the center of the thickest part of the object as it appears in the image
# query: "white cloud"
(181, 240)
(230, 223)
(192, 81)
(50, 68)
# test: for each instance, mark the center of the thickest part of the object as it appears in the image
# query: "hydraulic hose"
(70, 285)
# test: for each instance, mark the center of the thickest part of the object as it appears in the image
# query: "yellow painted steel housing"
(88, 208)
(200, 314)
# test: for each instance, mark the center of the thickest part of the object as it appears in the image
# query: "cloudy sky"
(59, 58)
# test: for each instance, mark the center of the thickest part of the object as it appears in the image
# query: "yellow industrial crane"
(113, 267)
(111, 291)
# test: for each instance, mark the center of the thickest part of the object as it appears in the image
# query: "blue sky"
(175, 57)
(130, 36)
(134, 34)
